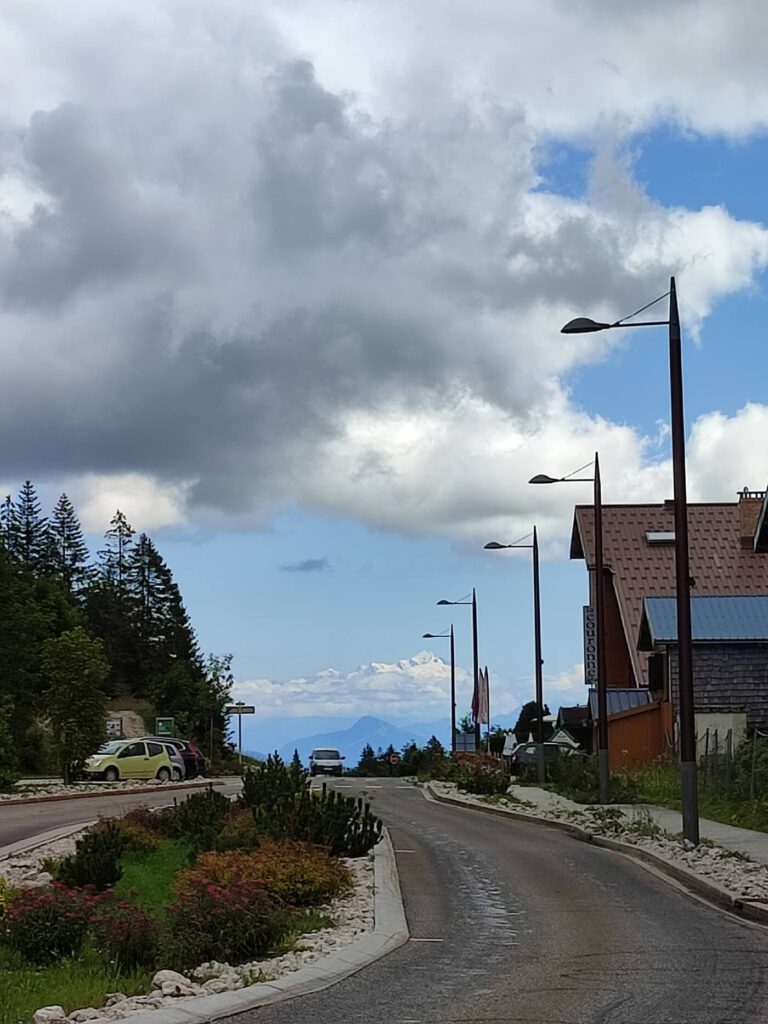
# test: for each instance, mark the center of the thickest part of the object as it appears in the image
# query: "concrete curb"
(708, 890)
(35, 842)
(390, 931)
(163, 787)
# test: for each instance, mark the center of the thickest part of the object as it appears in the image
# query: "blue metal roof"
(618, 700)
(733, 618)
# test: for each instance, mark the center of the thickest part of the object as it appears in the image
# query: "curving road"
(512, 921)
(26, 820)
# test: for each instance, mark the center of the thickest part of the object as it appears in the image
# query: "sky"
(284, 283)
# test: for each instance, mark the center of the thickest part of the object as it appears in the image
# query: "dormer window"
(660, 537)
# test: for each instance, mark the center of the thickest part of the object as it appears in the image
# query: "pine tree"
(68, 553)
(10, 528)
(113, 559)
(32, 529)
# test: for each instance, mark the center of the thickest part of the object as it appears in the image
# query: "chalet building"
(728, 552)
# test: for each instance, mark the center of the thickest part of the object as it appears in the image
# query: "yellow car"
(129, 759)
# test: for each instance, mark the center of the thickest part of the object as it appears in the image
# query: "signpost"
(164, 726)
(240, 709)
(113, 727)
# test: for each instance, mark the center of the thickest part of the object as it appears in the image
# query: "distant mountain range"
(351, 741)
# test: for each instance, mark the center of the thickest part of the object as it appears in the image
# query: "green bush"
(239, 832)
(284, 807)
(200, 818)
(482, 779)
(96, 860)
(234, 924)
(125, 933)
(44, 925)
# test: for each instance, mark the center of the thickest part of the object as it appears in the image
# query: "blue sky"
(285, 285)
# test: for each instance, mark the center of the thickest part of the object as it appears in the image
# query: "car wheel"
(163, 775)
(177, 775)
(111, 774)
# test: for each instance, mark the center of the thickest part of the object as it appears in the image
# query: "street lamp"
(603, 765)
(534, 546)
(475, 663)
(443, 636)
(682, 569)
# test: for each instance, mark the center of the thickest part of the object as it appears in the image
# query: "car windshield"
(326, 755)
(112, 747)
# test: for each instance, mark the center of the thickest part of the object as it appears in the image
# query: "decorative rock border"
(54, 793)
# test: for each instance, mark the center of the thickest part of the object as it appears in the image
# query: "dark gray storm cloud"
(224, 260)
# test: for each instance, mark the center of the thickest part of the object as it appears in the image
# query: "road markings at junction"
(426, 940)
(405, 851)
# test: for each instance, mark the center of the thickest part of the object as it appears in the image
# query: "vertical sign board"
(163, 727)
(590, 645)
(113, 727)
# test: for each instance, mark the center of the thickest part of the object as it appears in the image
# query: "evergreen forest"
(78, 634)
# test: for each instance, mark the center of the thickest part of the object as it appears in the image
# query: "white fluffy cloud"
(255, 254)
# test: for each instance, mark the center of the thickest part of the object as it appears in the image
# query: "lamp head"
(445, 602)
(494, 546)
(583, 325)
(542, 478)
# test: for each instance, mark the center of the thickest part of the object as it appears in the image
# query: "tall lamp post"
(475, 662)
(682, 569)
(603, 765)
(534, 547)
(443, 636)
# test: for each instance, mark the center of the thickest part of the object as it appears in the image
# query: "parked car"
(325, 761)
(194, 760)
(526, 754)
(130, 759)
(177, 762)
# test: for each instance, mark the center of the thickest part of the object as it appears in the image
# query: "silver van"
(325, 761)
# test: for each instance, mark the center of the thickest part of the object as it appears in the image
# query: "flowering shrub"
(211, 922)
(136, 836)
(295, 873)
(125, 933)
(46, 924)
(482, 778)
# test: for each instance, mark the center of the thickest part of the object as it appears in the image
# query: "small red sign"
(394, 759)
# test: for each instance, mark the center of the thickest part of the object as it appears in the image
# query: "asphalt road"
(23, 821)
(512, 921)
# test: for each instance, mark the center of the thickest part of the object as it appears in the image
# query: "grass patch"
(302, 922)
(148, 877)
(73, 983)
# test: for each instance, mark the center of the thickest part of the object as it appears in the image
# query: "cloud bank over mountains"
(411, 689)
(262, 255)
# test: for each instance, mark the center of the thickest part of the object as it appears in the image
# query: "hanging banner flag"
(483, 698)
(476, 697)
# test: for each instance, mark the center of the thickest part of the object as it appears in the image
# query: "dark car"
(526, 754)
(194, 760)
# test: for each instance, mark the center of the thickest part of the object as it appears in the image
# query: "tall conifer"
(33, 529)
(68, 552)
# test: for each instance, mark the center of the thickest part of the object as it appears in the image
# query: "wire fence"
(733, 768)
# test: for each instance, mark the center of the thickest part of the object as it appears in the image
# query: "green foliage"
(46, 924)
(283, 806)
(96, 860)
(211, 922)
(136, 836)
(148, 878)
(527, 723)
(125, 934)
(239, 832)
(9, 767)
(76, 670)
(476, 777)
(200, 818)
(82, 981)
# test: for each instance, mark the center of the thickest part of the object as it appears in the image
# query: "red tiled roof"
(719, 564)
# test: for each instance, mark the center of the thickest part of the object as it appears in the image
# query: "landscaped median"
(59, 791)
(207, 897)
(727, 879)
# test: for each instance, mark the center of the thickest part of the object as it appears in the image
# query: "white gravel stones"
(352, 915)
(738, 875)
(23, 869)
(49, 1015)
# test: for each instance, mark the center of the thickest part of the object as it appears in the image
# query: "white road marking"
(426, 940)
